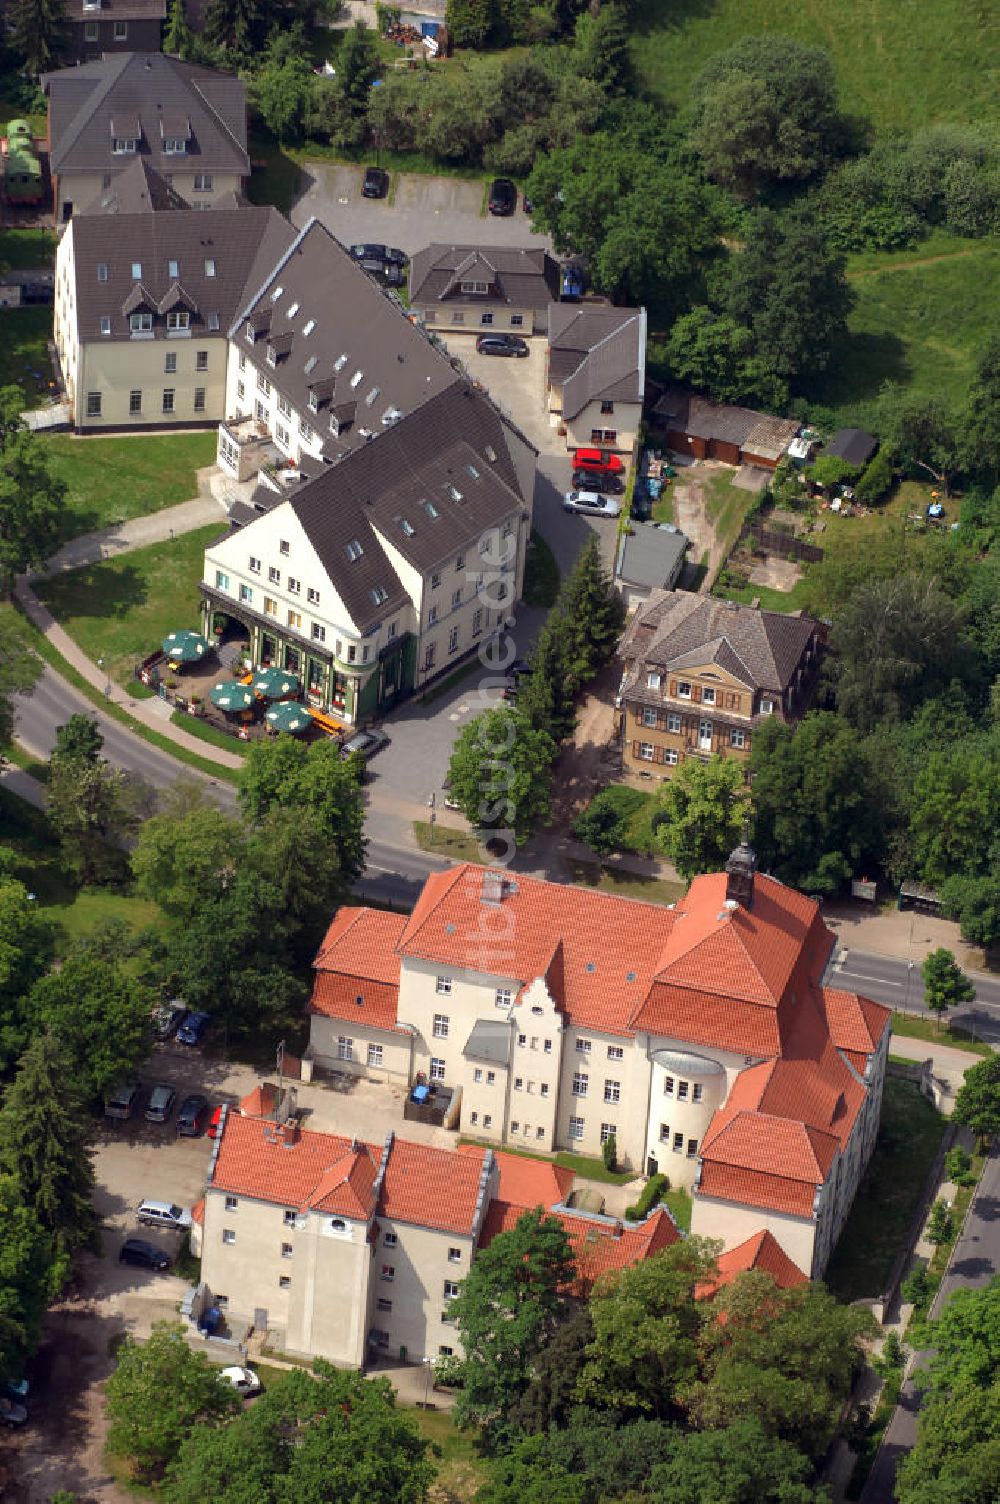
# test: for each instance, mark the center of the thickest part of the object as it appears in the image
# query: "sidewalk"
(909, 935)
(139, 532)
(948, 1062)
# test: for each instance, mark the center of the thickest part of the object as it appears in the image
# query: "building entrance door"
(705, 735)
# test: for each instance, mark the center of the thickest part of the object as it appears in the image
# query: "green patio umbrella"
(288, 715)
(231, 695)
(186, 647)
(275, 683)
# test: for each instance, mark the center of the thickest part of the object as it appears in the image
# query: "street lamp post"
(431, 801)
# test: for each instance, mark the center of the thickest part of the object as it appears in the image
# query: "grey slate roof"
(649, 557)
(516, 278)
(489, 1040)
(239, 243)
(596, 353)
(755, 432)
(360, 342)
(152, 90)
(440, 455)
(677, 630)
(138, 189)
(852, 445)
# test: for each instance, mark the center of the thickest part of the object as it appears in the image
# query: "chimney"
(740, 870)
(288, 1132)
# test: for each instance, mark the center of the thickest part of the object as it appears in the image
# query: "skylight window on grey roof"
(379, 594)
(311, 364)
(209, 268)
(372, 397)
(340, 362)
(357, 379)
(293, 309)
(276, 294)
(213, 321)
(173, 269)
(430, 509)
(407, 527)
(390, 416)
(136, 271)
(102, 271)
(308, 326)
(471, 470)
(354, 550)
(454, 493)
(491, 454)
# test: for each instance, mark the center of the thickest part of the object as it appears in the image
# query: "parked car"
(11, 1413)
(591, 502)
(168, 1018)
(376, 183)
(243, 1380)
(214, 1122)
(598, 461)
(371, 251)
(503, 196)
(150, 1213)
(194, 1028)
(365, 743)
(145, 1255)
(160, 1104)
(192, 1116)
(122, 1100)
(501, 344)
(611, 485)
(572, 284)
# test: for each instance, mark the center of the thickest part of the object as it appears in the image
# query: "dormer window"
(354, 550)
(180, 320)
(173, 269)
(310, 365)
(357, 379)
(293, 309)
(683, 690)
(454, 493)
(652, 680)
(249, 332)
(313, 401)
(276, 294)
(372, 397)
(431, 509)
(406, 526)
(272, 355)
(123, 146)
(173, 146)
(379, 594)
(140, 323)
(478, 289)
(308, 326)
(340, 362)
(213, 321)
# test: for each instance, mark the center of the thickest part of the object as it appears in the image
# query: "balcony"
(245, 446)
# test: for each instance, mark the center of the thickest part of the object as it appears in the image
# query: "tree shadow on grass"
(654, 15)
(859, 367)
(95, 591)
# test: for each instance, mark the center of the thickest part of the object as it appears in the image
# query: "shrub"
(652, 1194)
(917, 1288)
(609, 1153)
(958, 1166)
(602, 825)
(876, 479)
(830, 470)
(941, 1225)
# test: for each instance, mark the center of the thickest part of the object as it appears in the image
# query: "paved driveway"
(419, 210)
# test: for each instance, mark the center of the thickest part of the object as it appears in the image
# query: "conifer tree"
(177, 37)
(39, 32)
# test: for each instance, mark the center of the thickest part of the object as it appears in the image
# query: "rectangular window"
(390, 1240)
(383, 1304)
(170, 363)
(274, 575)
(477, 1075)
(241, 390)
(284, 1282)
(648, 716)
(668, 1086)
(199, 399)
(121, 31)
(767, 707)
(263, 385)
(432, 616)
(312, 596)
(737, 738)
(516, 320)
(318, 632)
(518, 1083)
(254, 565)
(692, 1148)
(450, 1289)
(646, 751)
(673, 721)
(678, 1143)
(607, 1129)
(306, 432)
(135, 402)
(246, 594)
(295, 620)
(612, 1091)
(443, 987)
(652, 680)
(93, 404)
(221, 580)
(474, 1118)
(454, 1255)
(664, 1133)
(287, 1250)
(683, 690)
(491, 1077)
(670, 756)
(456, 599)
(232, 1202)
(140, 323)
(576, 1128)
(604, 435)
(105, 325)
(606, 408)
(437, 1068)
(290, 1217)
(374, 1054)
(545, 1088)
(345, 1047)
(487, 1120)
(503, 997)
(294, 586)
(581, 1082)
(270, 606)
(682, 1091)
(178, 320)
(696, 1092)
(453, 640)
(168, 399)
(90, 31)
(228, 1235)
(477, 622)
(583, 1046)
(616, 1052)
(708, 695)
(201, 360)
(547, 1047)
(203, 182)
(440, 1026)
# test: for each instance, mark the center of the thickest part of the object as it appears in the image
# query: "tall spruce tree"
(592, 611)
(39, 32)
(177, 37)
(43, 1144)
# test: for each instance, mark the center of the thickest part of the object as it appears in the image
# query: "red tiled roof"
(253, 1160)
(762, 1251)
(757, 1188)
(346, 1188)
(704, 1018)
(261, 1102)
(528, 1182)
(783, 1147)
(337, 997)
(432, 1187)
(198, 1211)
(855, 1023)
(599, 1247)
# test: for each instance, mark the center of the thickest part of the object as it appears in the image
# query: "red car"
(598, 461)
(213, 1124)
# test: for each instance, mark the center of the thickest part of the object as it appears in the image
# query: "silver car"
(591, 502)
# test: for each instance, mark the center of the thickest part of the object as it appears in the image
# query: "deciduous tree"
(19, 668)
(190, 852)
(501, 772)
(30, 496)
(284, 774)
(977, 1104)
(99, 1014)
(94, 809)
(739, 1464)
(945, 984)
(26, 946)
(699, 814)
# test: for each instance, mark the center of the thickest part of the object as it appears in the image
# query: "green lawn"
(24, 357)
(121, 609)
(461, 845)
(625, 884)
(113, 480)
(461, 1469)
(274, 178)
(726, 506)
(679, 1202)
(908, 1140)
(900, 63)
(26, 250)
(909, 1026)
(206, 732)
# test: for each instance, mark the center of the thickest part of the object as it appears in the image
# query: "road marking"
(858, 976)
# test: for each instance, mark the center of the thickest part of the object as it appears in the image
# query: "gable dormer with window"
(126, 135)
(279, 347)
(258, 323)
(139, 308)
(175, 133)
(179, 308)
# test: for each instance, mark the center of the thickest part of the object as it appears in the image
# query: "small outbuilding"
(852, 445)
(650, 557)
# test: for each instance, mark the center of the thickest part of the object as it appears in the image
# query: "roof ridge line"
(79, 120)
(196, 87)
(282, 261)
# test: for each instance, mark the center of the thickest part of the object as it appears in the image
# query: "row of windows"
(525, 1129)
(615, 1051)
(345, 1050)
(173, 267)
(581, 1087)
(457, 316)
(577, 1128)
(92, 31)
(168, 401)
(487, 1119)
(456, 602)
(292, 585)
(522, 1040)
(520, 1086)
(670, 1085)
(678, 1142)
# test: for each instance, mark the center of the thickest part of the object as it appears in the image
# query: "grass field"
(901, 63)
(908, 1140)
(625, 884)
(26, 250)
(909, 1026)
(461, 1469)
(113, 480)
(24, 358)
(121, 609)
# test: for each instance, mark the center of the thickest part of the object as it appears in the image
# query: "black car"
(371, 251)
(611, 485)
(191, 1117)
(501, 344)
(503, 196)
(146, 1255)
(376, 183)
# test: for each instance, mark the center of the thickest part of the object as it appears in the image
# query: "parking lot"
(419, 210)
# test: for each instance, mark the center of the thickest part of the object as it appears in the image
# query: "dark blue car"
(194, 1028)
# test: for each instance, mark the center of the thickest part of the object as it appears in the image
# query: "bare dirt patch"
(593, 759)
(690, 504)
(776, 573)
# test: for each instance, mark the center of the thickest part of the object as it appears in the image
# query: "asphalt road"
(888, 979)
(975, 1262)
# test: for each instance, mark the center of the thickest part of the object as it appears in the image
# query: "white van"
(163, 1214)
